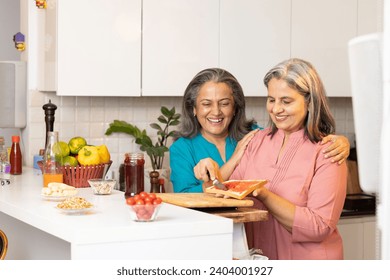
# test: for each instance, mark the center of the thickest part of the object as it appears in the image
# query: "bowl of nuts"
(102, 186)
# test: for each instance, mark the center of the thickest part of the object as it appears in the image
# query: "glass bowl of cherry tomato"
(144, 206)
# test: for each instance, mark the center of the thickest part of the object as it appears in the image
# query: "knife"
(219, 185)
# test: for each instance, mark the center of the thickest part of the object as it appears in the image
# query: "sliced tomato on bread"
(238, 189)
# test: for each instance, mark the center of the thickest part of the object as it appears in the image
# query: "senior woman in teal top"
(214, 125)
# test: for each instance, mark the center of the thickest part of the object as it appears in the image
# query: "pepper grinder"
(49, 109)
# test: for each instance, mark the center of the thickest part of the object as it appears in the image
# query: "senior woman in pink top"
(305, 192)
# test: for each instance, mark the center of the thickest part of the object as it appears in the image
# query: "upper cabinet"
(320, 32)
(155, 47)
(96, 45)
(254, 36)
(179, 39)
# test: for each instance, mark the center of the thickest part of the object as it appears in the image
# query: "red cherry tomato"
(140, 202)
(152, 196)
(130, 201)
(137, 196)
(143, 195)
(157, 201)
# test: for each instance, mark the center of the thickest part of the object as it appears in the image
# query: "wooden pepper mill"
(49, 109)
(154, 182)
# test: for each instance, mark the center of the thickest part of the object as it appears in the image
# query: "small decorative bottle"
(134, 173)
(161, 183)
(15, 156)
(154, 182)
(52, 160)
(5, 166)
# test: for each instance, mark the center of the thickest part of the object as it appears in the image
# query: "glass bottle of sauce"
(134, 173)
(52, 160)
(15, 156)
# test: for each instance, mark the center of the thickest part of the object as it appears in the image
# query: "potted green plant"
(156, 151)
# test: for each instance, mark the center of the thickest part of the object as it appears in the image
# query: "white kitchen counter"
(37, 230)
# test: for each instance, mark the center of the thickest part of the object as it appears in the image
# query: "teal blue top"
(185, 153)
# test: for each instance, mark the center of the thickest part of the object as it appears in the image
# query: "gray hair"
(190, 126)
(300, 75)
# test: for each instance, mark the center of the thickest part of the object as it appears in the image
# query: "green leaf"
(162, 119)
(155, 126)
(174, 122)
(165, 111)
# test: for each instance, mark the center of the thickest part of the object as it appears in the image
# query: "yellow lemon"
(103, 153)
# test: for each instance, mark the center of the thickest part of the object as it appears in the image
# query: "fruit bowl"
(102, 186)
(78, 176)
(144, 213)
(144, 206)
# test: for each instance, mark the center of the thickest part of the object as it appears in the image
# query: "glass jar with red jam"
(134, 173)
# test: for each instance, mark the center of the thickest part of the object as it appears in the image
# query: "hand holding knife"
(217, 183)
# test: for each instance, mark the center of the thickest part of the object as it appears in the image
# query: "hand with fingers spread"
(338, 151)
(241, 147)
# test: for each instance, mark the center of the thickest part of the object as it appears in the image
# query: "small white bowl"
(102, 186)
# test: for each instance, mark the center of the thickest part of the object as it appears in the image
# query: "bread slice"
(238, 189)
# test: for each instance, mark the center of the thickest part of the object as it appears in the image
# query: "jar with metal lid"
(134, 173)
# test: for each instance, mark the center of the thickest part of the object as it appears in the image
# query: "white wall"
(9, 26)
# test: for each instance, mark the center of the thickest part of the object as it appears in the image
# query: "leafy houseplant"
(155, 151)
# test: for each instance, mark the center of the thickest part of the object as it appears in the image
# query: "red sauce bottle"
(15, 156)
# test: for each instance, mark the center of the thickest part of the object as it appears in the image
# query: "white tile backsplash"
(90, 116)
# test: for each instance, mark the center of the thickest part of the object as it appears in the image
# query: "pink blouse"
(304, 177)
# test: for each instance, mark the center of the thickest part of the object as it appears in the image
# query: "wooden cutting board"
(202, 200)
(240, 215)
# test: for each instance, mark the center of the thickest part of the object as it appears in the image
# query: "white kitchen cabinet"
(180, 38)
(96, 45)
(255, 35)
(359, 237)
(320, 31)
(155, 47)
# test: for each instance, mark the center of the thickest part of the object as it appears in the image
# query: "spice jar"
(134, 173)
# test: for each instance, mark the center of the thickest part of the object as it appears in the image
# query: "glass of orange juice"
(52, 177)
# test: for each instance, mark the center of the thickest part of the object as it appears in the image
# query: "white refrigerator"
(369, 58)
